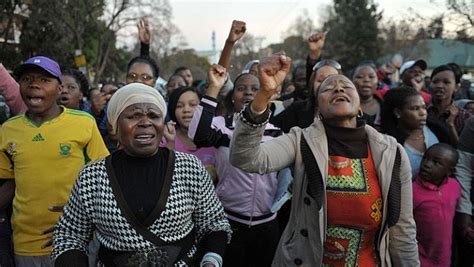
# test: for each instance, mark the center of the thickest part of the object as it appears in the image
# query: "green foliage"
(45, 33)
(353, 32)
(9, 53)
(58, 28)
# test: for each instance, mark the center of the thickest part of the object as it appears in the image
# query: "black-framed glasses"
(135, 77)
(327, 62)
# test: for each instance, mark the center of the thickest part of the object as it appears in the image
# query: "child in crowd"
(75, 89)
(186, 73)
(41, 153)
(435, 195)
(181, 105)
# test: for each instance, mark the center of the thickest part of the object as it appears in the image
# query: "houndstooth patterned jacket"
(92, 206)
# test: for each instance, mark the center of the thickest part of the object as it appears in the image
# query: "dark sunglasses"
(327, 62)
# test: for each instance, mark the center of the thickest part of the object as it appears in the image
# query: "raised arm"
(200, 128)
(237, 30)
(271, 73)
(246, 150)
(315, 45)
(144, 36)
(10, 90)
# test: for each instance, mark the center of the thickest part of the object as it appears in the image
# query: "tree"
(294, 46)
(188, 58)
(462, 16)
(436, 28)
(10, 18)
(44, 33)
(353, 32)
(245, 50)
(59, 28)
(302, 26)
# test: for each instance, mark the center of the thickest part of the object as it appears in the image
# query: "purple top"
(247, 194)
(433, 210)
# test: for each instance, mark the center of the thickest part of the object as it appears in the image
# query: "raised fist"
(216, 76)
(272, 72)
(316, 41)
(237, 30)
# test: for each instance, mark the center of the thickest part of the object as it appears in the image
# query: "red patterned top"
(354, 204)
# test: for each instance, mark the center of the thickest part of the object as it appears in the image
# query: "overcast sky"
(267, 18)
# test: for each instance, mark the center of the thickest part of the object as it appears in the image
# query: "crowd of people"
(283, 165)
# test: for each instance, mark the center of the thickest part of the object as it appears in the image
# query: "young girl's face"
(185, 108)
(71, 95)
(365, 80)
(436, 165)
(245, 90)
(443, 86)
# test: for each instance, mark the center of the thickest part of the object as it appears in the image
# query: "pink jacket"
(10, 90)
(247, 194)
(433, 210)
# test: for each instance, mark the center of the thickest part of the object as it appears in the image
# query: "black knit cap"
(174, 98)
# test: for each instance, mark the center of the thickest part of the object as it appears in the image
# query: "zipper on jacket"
(253, 203)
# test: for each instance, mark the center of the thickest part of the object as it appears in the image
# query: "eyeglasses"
(135, 77)
(327, 62)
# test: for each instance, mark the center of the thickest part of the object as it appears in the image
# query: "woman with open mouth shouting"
(148, 205)
(352, 202)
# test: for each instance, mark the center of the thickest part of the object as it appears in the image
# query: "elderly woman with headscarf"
(352, 190)
(147, 204)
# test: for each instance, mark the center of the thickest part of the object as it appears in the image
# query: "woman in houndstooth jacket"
(147, 204)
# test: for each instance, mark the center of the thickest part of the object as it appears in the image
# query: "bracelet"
(248, 121)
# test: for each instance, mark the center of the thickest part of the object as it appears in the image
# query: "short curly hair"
(81, 80)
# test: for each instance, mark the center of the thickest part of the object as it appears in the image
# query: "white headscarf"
(130, 94)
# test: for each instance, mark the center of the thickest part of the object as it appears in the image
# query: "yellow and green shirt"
(44, 160)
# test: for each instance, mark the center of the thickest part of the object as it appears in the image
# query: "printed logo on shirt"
(65, 149)
(38, 138)
(11, 149)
